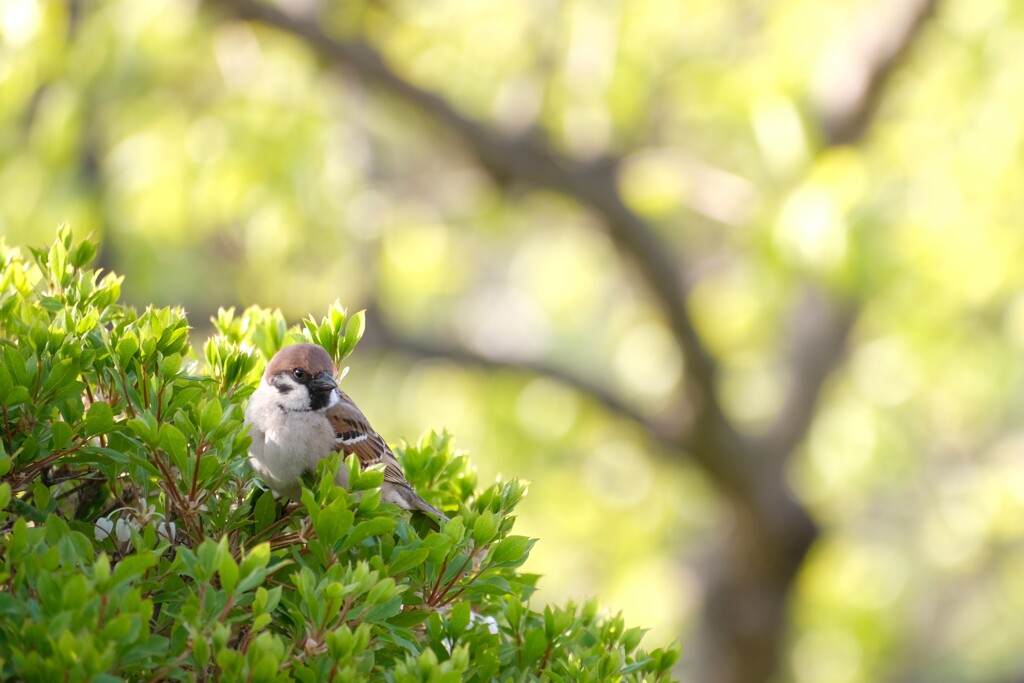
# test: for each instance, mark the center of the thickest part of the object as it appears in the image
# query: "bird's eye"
(300, 374)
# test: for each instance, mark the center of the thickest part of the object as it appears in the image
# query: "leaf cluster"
(135, 543)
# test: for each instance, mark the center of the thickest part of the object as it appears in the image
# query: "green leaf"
(491, 585)
(61, 432)
(557, 621)
(170, 365)
(208, 467)
(384, 610)
(99, 419)
(120, 628)
(631, 638)
(377, 526)
(370, 478)
(41, 495)
(334, 522)
(173, 442)
(144, 427)
(211, 415)
(484, 529)
(126, 348)
(17, 395)
(88, 322)
(458, 618)
(407, 559)
(208, 555)
(261, 621)
(455, 529)
(52, 304)
(200, 651)
(265, 510)
(534, 645)
(438, 545)
(254, 569)
(409, 618)
(382, 592)
(61, 380)
(511, 551)
(74, 593)
(82, 253)
(228, 569)
(369, 501)
(101, 570)
(133, 567)
(353, 333)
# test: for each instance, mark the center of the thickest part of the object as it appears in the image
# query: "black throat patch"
(318, 400)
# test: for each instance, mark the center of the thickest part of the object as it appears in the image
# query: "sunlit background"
(224, 164)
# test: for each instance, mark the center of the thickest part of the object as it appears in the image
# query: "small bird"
(298, 415)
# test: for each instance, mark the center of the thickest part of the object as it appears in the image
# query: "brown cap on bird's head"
(310, 357)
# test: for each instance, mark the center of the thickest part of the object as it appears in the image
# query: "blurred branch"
(853, 75)
(527, 159)
(820, 328)
(379, 334)
(853, 78)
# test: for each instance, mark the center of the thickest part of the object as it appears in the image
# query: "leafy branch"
(151, 555)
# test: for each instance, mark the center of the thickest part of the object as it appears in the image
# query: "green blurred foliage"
(221, 165)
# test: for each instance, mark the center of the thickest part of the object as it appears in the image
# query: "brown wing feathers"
(354, 434)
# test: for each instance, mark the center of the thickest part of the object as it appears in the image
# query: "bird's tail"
(407, 498)
(424, 506)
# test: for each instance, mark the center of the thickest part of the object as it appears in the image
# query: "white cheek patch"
(294, 397)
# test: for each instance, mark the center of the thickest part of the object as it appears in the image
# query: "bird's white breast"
(285, 443)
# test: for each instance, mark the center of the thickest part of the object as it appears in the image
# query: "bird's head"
(303, 376)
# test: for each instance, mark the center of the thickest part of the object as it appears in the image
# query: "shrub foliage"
(135, 543)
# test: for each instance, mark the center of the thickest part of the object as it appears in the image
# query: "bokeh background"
(735, 284)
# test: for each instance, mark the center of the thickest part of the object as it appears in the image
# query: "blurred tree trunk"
(747, 590)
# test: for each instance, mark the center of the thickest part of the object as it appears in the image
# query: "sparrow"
(298, 415)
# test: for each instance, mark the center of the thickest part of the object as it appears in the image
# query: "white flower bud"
(492, 623)
(167, 531)
(123, 529)
(103, 528)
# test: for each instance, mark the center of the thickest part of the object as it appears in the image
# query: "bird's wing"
(353, 434)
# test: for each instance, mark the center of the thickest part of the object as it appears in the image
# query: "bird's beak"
(323, 382)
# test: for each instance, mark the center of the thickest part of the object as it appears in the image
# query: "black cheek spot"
(283, 387)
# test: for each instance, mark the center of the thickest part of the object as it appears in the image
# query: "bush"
(134, 543)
